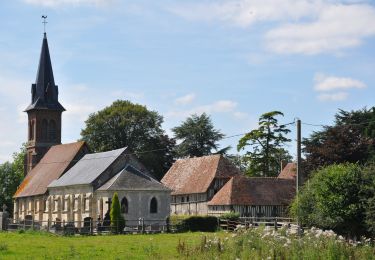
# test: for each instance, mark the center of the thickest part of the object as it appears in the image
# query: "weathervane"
(44, 17)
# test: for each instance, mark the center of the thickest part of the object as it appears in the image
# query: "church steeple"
(44, 93)
(44, 112)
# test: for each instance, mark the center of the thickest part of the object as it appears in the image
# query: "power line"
(342, 125)
(140, 152)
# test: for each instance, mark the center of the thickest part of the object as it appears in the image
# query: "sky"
(234, 60)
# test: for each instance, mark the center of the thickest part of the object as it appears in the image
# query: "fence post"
(91, 226)
(275, 223)
(32, 224)
(48, 224)
(168, 225)
(143, 225)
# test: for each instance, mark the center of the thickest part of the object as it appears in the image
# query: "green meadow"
(255, 243)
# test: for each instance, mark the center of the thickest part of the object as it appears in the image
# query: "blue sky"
(232, 59)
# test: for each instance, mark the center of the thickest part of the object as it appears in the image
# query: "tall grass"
(264, 243)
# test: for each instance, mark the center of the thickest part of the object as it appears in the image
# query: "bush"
(232, 216)
(199, 223)
(331, 200)
(368, 196)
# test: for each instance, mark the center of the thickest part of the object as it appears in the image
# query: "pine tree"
(117, 220)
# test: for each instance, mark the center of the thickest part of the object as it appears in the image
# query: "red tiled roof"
(242, 190)
(194, 175)
(54, 163)
(289, 172)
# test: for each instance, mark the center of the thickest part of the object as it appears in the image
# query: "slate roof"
(289, 172)
(194, 175)
(132, 179)
(242, 190)
(86, 170)
(44, 91)
(53, 164)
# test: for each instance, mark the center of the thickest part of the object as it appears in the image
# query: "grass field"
(33, 245)
(254, 243)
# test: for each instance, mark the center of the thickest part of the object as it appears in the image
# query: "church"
(66, 183)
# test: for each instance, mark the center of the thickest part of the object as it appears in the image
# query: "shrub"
(199, 223)
(233, 216)
(117, 220)
(368, 196)
(331, 200)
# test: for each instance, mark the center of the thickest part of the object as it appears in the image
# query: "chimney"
(283, 163)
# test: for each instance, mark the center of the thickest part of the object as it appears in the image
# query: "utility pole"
(299, 173)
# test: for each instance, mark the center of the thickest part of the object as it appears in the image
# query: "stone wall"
(138, 206)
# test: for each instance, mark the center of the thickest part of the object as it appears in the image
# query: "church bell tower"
(44, 112)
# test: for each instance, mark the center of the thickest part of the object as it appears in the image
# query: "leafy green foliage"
(117, 220)
(198, 137)
(132, 125)
(231, 216)
(266, 145)
(351, 139)
(199, 223)
(368, 196)
(11, 175)
(332, 200)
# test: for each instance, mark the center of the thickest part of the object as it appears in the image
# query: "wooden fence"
(91, 226)
(247, 222)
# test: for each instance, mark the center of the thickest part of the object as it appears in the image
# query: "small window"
(154, 205)
(124, 206)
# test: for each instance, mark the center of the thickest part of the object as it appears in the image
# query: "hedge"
(199, 223)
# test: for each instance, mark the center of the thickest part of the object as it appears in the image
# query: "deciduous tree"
(351, 139)
(132, 125)
(11, 175)
(338, 197)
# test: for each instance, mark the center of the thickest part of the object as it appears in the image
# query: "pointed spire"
(44, 76)
(44, 91)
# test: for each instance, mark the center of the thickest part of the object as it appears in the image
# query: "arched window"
(154, 205)
(52, 130)
(124, 205)
(44, 129)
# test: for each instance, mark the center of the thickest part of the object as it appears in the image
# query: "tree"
(266, 144)
(334, 199)
(132, 125)
(351, 139)
(11, 175)
(198, 137)
(117, 220)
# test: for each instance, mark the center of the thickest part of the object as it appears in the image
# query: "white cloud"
(328, 83)
(78, 112)
(58, 3)
(337, 27)
(297, 26)
(221, 106)
(340, 96)
(184, 100)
